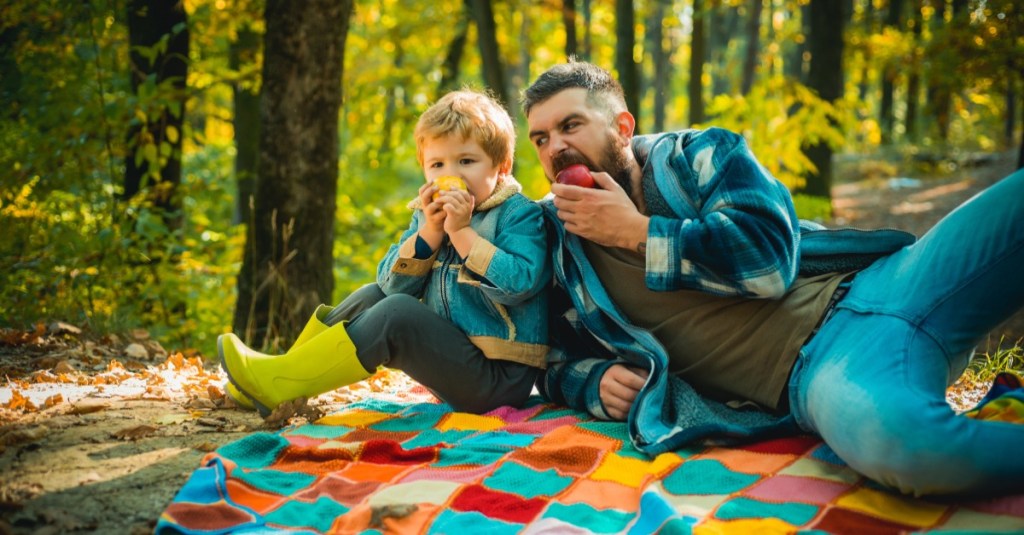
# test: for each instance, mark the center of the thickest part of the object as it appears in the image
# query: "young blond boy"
(460, 302)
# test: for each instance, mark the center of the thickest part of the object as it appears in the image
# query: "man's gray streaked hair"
(603, 90)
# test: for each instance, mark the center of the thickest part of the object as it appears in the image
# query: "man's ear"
(625, 124)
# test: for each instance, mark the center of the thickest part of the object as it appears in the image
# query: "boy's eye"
(466, 161)
(435, 165)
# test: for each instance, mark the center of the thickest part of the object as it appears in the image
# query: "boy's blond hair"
(469, 114)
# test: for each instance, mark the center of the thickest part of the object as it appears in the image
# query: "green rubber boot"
(313, 327)
(323, 358)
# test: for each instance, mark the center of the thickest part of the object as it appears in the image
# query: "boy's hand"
(458, 207)
(619, 387)
(431, 208)
(432, 230)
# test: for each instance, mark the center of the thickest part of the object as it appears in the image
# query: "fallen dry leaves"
(176, 377)
(75, 376)
(135, 432)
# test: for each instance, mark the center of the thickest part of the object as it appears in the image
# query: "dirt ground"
(97, 435)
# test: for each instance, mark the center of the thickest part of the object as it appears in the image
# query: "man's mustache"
(567, 158)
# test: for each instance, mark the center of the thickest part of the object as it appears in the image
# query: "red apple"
(576, 175)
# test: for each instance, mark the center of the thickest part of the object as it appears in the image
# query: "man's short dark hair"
(603, 90)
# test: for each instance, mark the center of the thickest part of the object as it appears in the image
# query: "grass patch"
(976, 380)
(986, 366)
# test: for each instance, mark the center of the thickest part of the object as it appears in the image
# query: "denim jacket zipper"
(445, 266)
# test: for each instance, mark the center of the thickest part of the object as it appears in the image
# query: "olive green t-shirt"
(727, 348)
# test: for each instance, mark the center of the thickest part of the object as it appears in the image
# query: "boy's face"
(464, 158)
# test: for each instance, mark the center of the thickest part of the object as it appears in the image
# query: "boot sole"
(260, 407)
(241, 400)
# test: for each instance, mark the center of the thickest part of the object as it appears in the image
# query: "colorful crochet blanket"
(383, 466)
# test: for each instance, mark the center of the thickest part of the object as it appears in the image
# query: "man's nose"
(557, 144)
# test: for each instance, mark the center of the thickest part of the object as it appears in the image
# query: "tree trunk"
(391, 107)
(588, 15)
(890, 72)
(726, 21)
(287, 265)
(660, 58)
(698, 50)
(753, 45)
(914, 82)
(1020, 152)
(848, 6)
(242, 55)
(940, 89)
(522, 72)
(569, 20)
(494, 68)
(625, 40)
(794, 64)
(450, 68)
(869, 29)
(153, 162)
(1011, 110)
(825, 75)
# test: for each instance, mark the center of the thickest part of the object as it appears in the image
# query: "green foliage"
(812, 207)
(364, 232)
(74, 249)
(780, 118)
(61, 135)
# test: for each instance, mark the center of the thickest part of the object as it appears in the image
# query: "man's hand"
(604, 216)
(619, 387)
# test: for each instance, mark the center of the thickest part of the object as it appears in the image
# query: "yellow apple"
(448, 183)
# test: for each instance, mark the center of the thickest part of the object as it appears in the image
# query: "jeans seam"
(949, 295)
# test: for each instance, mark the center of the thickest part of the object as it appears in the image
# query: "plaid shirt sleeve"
(734, 230)
(579, 355)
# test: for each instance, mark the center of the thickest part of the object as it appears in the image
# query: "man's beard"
(613, 162)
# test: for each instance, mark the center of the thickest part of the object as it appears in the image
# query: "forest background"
(199, 166)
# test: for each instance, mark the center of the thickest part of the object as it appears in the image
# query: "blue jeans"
(872, 381)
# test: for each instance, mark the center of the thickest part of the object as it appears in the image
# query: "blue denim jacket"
(498, 294)
(719, 223)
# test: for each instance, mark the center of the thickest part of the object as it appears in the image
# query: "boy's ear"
(506, 167)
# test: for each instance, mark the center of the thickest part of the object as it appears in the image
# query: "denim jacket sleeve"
(734, 230)
(515, 264)
(399, 271)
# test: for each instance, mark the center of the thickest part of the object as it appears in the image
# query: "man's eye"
(540, 141)
(571, 126)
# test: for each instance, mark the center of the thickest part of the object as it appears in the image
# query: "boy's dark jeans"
(400, 332)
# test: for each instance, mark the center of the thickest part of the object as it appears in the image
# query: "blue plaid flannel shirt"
(734, 232)
(724, 226)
